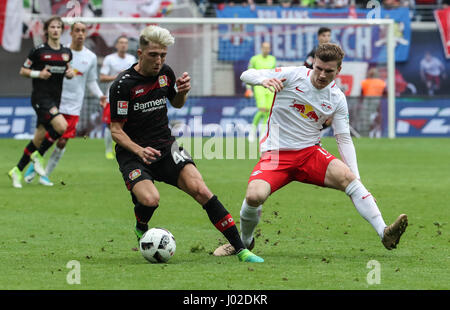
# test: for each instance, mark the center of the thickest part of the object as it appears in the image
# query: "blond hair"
(156, 35)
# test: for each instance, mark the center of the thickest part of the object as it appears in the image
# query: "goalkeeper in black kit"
(146, 151)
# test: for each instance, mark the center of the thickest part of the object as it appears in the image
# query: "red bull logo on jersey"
(305, 110)
(77, 72)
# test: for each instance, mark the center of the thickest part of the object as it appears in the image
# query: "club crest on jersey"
(325, 106)
(122, 107)
(53, 111)
(162, 79)
(136, 173)
(65, 57)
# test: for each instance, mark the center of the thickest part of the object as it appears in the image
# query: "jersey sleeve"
(31, 59)
(256, 77)
(341, 121)
(172, 84)
(119, 99)
(92, 74)
(105, 69)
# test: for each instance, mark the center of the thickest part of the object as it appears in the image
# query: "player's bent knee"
(256, 197)
(201, 193)
(149, 200)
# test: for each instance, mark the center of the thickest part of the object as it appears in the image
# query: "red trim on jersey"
(268, 120)
(333, 84)
(52, 57)
(309, 70)
(141, 90)
(225, 223)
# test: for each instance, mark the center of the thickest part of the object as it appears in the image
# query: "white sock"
(108, 140)
(54, 159)
(250, 217)
(366, 205)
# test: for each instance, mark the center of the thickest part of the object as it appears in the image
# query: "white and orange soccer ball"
(157, 245)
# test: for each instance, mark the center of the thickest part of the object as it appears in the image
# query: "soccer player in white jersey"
(84, 65)
(113, 64)
(291, 150)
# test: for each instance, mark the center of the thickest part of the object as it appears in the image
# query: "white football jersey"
(299, 110)
(113, 64)
(84, 65)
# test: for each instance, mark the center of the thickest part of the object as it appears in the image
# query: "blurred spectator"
(262, 2)
(431, 71)
(324, 3)
(373, 86)
(237, 2)
(366, 116)
(307, 3)
(323, 36)
(341, 3)
(390, 4)
(286, 3)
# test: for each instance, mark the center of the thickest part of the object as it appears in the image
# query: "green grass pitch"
(310, 237)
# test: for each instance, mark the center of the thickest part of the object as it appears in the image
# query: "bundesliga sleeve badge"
(122, 107)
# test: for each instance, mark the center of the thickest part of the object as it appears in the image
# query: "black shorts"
(166, 169)
(46, 110)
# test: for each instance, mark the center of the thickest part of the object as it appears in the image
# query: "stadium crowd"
(421, 10)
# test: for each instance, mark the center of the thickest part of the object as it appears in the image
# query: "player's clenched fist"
(183, 83)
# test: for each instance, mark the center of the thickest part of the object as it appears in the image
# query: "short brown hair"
(73, 25)
(48, 22)
(330, 52)
(322, 30)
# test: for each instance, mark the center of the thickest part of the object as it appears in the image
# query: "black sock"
(25, 159)
(223, 221)
(143, 215)
(50, 137)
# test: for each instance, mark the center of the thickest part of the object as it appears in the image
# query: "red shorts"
(72, 121)
(106, 117)
(278, 168)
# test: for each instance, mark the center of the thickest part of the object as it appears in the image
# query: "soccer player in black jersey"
(46, 65)
(146, 151)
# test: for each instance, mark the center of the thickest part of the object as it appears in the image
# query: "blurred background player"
(372, 89)
(304, 100)
(263, 97)
(431, 71)
(47, 65)
(112, 65)
(84, 65)
(146, 151)
(323, 36)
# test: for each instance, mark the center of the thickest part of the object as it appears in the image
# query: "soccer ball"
(157, 245)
